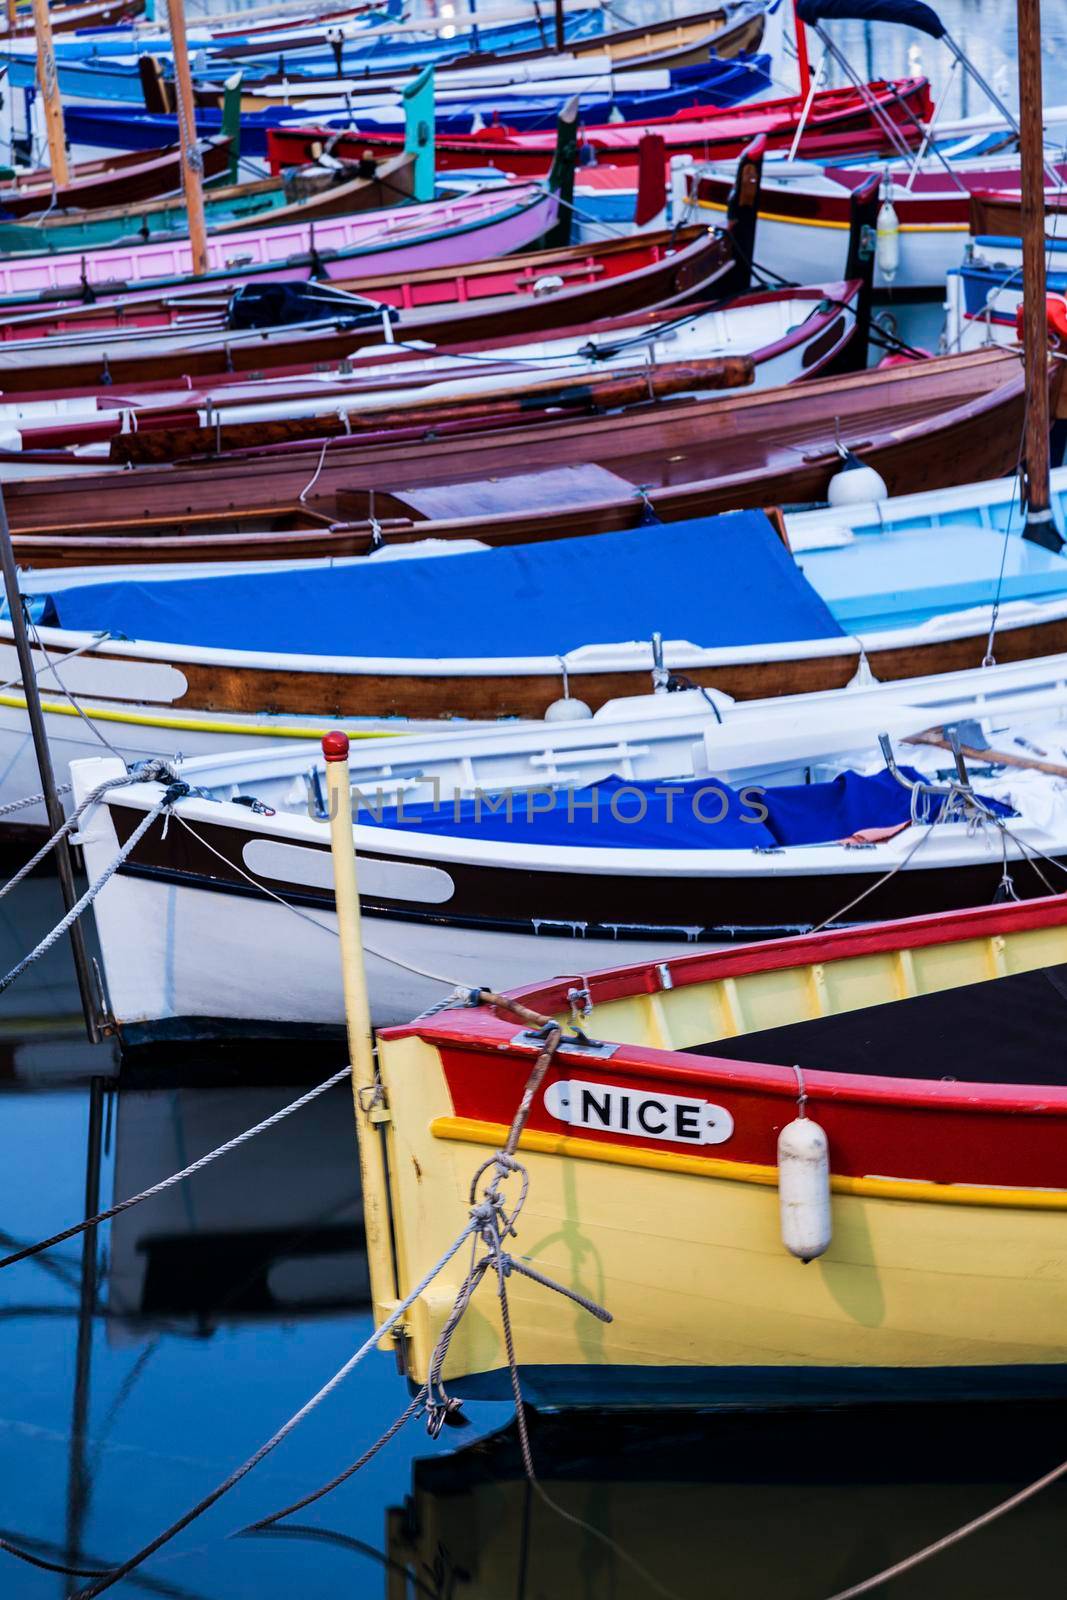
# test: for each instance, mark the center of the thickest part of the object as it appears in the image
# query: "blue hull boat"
(130, 127)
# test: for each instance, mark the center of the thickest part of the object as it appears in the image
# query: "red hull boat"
(839, 124)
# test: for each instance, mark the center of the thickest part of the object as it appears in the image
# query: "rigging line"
(90, 723)
(836, 915)
(267, 1524)
(86, 900)
(68, 825)
(950, 1539)
(603, 1538)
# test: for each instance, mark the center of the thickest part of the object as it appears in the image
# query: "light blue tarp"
(724, 580)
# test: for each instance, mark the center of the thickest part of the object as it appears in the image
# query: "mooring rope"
(32, 800)
(141, 775)
(949, 1539)
(94, 889)
(109, 1579)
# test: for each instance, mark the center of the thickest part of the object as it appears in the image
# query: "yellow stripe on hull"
(695, 1273)
(827, 222)
(239, 730)
(466, 1130)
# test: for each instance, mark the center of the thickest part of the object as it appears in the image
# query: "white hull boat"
(511, 851)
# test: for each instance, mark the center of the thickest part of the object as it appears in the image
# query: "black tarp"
(1006, 1030)
(908, 13)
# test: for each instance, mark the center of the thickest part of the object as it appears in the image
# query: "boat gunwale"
(491, 1029)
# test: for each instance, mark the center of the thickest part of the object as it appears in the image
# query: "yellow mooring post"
(370, 1113)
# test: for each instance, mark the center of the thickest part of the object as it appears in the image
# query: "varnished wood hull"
(932, 425)
(704, 267)
(137, 175)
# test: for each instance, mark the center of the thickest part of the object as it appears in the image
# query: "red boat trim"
(915, 1131)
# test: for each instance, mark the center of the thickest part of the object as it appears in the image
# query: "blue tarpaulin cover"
(725, 580)
(694, 814)
(909, 13)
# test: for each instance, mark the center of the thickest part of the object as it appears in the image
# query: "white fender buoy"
(567, 710)
(804, 1188)
(887, 236)
(855, 484)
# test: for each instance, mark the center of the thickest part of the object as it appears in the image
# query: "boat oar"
(1000, 758)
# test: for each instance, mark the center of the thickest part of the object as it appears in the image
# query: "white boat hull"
(182, 962)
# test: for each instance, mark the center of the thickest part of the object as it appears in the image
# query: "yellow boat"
(889, 1104)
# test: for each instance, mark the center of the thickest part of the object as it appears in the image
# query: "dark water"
(135, 1378)
(218, 1309)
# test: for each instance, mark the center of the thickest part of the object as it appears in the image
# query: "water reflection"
(272, 1231)
(783, 1506)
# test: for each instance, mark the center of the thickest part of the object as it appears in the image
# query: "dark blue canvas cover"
(725, 580)
(909, 13)
(694, 814)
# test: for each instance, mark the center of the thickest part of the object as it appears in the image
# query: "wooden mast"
(559, 25)
(192, 161)
(1035, 478)
(48, 79)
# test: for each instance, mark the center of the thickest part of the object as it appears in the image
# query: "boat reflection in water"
(274, 1230)
(788, 1505)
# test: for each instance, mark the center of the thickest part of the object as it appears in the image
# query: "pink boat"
(441, 233)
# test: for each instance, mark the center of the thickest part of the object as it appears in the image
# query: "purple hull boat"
(440, 233)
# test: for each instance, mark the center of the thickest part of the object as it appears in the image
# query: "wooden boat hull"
(71, 18)
(704, 267)
(138, 175)
(230, 211)
(205, 693)
(917, 1299)
(583, 266)
(935, 1284)
(998, 213)
(748, 449)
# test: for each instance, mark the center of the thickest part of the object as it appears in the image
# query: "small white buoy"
(567, 710)
(804, 1188)
(550, 283)
(887, 235)
(856, 484)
